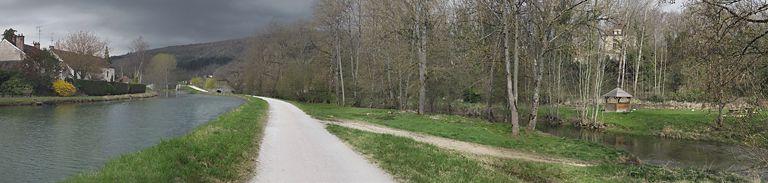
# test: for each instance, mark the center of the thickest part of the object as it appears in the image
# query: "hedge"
(102, 88)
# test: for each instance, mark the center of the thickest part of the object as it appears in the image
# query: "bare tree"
(82, 52)
(421, 23)
(511, 77)
(547, 20)
(83, 42)
(139, 49)
(161, 70)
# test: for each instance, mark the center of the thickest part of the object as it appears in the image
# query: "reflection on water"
(50, 143)
(671, 152)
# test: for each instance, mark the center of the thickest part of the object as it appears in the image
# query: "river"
(673, 152)
(51, 143)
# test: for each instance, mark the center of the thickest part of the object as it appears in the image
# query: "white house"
(12, 53)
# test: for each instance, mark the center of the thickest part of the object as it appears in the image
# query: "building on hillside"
(613, 43)
(617, 100)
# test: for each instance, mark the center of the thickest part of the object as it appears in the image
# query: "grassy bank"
(412, 161)
(419, 162)
(17, 101)
(469, 130)
(219, 151)
(684, 124)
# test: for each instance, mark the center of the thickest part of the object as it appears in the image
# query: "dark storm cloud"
(161, 22)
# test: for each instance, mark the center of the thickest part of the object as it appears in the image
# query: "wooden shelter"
(617, 100)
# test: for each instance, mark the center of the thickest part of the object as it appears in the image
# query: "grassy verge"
(693, 124)
(412, 161)
(685, 124)
(219, 151)
(470, 130)
(16, 101)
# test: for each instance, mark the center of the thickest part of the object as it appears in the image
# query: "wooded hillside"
(193, 60)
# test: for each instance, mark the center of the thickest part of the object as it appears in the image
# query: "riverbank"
(21, 101)
(221, 150)
(404, 157)
(691, 124)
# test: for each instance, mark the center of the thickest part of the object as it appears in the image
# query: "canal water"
(674, 152)
(51, 143)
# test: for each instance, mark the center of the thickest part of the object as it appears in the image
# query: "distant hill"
(194, 59)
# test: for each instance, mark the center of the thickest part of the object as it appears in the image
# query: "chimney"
(37, 45)
(20, 42)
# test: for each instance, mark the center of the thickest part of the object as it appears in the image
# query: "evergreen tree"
(9, 34)
(106, 55)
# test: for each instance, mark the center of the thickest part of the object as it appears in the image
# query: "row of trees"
(513, 55)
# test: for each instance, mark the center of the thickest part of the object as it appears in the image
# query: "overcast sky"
(161, 22)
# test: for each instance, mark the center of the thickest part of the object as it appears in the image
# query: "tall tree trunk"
(511, 82)
(341, 68)
(639, 54)
(637, 65)
(537, 67)
(422, 53)
(489, 87)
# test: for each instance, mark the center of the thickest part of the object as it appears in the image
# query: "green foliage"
(135, 80)
(468, 129)
(471, 96)
(8, 34)
(404, 158)
(190, 90)
(688, 96)
(218, 151)
(210, 83)
(107, 58)
(101, 88)
(160, 70)
(21, 101)
(197, 81)
(6, 75)
(42, 68)
(201, 63)
(16, 86)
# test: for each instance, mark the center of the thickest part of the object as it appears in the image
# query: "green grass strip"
(218, 151)
(411, 161)
(469, 130)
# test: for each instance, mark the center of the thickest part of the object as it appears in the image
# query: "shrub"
(471, 96)
(16, 86)
(197, 81)
(101, 88)
(64, 88)
(6, 75)
(210, 83)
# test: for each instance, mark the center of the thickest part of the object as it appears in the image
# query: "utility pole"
(39, 32)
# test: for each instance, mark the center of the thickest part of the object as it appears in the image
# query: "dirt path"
(461, 146)
(297, 148)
